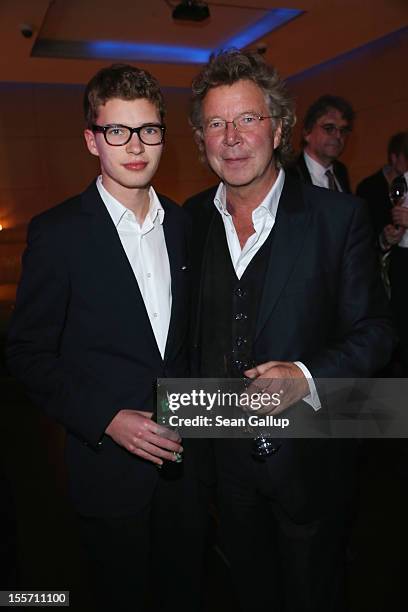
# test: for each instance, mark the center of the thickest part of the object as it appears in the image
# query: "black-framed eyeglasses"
(331, 128)
(118, 135)
(244, 123)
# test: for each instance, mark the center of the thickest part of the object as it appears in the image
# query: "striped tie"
(331, 181)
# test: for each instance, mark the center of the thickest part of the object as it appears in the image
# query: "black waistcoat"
(229, 306)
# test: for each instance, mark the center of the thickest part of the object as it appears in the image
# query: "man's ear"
(393, 159)
(305, 136)
(277, 136)
(90, 142)
(199, 140)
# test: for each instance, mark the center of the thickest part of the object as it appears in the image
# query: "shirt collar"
(269, 203)
(315, 168)
(116, 209)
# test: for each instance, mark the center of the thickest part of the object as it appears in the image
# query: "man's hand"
(400, 216)
(138, 434)
(282, 377)
(391, 235)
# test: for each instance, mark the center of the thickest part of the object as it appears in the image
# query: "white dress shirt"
(404, 240)
(145, 248)
(318, 173)
(263, 218)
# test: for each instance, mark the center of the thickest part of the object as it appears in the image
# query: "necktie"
(331, 181)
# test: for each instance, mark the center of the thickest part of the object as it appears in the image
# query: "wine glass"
(397, 192)
(263, 445)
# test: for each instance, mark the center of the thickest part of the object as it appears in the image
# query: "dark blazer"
(81, 342)
(339, 169)
(322, 304)
(374, 190)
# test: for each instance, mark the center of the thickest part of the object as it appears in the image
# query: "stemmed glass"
(263, 445)
(397, 191)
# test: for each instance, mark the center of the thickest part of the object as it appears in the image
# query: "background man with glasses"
(286, 291)
(100, 314)
(326, 126)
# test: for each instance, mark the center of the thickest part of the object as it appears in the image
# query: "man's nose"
(232, 135)
(338, 132)
(135, 145)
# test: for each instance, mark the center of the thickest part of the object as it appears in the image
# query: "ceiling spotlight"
(26, 30)
(191, 10)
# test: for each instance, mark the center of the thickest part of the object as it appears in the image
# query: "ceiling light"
(191, 10)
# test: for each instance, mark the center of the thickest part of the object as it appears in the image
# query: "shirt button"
(148, 275)
(240, 292)
(155, 314)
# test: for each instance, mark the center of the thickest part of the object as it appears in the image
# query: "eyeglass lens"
(121, 134)
(244, 122)
(330, 128)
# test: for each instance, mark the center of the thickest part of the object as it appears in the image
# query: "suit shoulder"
(337, 164)
(168, 202)
(370, 182)
(172, 207)
(331, 201)
(58, 220)
(199, 198)
(58, 215)
(176, 212)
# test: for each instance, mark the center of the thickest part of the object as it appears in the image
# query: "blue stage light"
(188, 55)
(146, 52)
(272, 20)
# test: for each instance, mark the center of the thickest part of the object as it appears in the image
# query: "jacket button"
(240, 292)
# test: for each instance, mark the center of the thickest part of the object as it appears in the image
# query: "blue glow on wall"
(105, 49)
(147, 52)
(272, 20)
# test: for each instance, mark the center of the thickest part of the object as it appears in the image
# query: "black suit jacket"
(374, 190)
(340, 170)
(322, 304)
(81, 342)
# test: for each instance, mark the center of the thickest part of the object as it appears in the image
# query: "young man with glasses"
(326, 126)
(286, 291)
(100, 315)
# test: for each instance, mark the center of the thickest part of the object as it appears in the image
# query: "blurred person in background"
(389, 215)
(326, 126)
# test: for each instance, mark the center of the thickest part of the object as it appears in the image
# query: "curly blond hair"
(232, 65)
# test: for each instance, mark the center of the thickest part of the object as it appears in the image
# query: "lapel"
(175, 244)
(303, 170)
(340, 173)
(112, 260)
(289, 233)
(203, 212)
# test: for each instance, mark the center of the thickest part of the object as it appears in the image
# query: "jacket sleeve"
(363, 336)
(36, 333)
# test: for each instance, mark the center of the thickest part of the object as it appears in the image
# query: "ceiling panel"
(326, 30)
